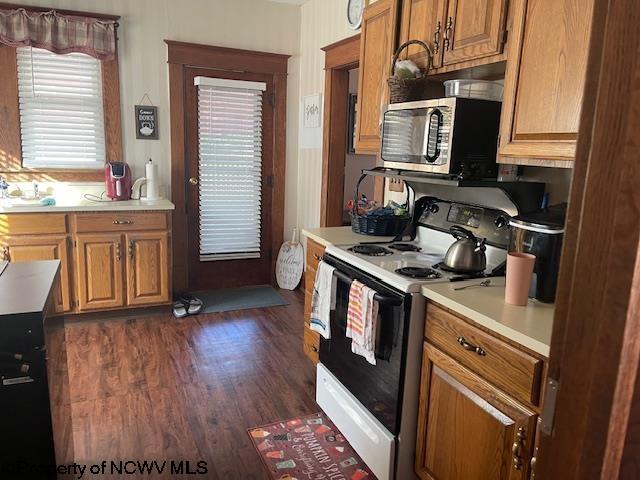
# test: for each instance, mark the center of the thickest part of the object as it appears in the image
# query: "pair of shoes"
(187, 304)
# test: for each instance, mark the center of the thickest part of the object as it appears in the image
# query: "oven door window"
(419, 135)
(377, 387)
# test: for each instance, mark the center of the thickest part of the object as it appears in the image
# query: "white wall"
(145, 24)
(323, 22)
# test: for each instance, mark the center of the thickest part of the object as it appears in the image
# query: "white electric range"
(376, 406)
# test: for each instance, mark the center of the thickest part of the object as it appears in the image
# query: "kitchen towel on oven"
(323, 300)
(361, 321)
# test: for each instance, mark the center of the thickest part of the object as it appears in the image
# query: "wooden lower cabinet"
(467, 428)
(43, 247)
(99, 260)
(147, 268)
(311, 339)
(109, 260)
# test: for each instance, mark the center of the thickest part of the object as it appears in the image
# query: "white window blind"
(61, 115)
(230, 167)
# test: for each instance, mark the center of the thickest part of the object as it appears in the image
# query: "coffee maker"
(541, 233)
(117, 179)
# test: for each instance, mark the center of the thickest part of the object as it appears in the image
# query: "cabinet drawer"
(120, 221)
(314, 253)
(309, 280)
(33, 223)
(516, 372)
(311, 344)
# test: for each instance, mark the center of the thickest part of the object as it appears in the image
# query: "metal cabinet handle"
(118, 253)
(516, 449)
(5, 253)
(130, 249)
(317, 257)
(193, 181)
(532, 464)
(313, 348)
(447, 33)
(122, 222)
(436, 38)
(472, 348)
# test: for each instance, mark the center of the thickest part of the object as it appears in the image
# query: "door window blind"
(229, 167)
(61, 113)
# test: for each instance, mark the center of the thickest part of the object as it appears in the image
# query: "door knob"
(193, 181)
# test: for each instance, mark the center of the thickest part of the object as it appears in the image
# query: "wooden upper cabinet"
(473, 29)
(43, 247)
(460, 33)
(467, 428)
(377, 41)
(423, 20)
(99, 260)
(544, 81)
(147, 268)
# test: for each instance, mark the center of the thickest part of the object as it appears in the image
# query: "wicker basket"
(403, 89)
(379, 225)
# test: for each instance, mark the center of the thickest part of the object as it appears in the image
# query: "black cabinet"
(33, 374)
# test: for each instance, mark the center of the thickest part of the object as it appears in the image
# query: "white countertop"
(528, 326)
(340, 236)
(87, 206)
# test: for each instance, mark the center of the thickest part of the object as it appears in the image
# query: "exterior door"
(32, 248)
(229, 175)
(473, 29)
(100, 272)
(147, 268)
(468, 429)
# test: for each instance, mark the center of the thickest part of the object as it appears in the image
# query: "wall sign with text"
(146, 122)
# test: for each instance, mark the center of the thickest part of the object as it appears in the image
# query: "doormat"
(309, 448)
(240, 298)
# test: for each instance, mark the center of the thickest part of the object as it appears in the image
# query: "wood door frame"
(339, 58)
(181, 55)
(595, 346)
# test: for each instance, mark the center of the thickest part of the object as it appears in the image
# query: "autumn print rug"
(308, 448)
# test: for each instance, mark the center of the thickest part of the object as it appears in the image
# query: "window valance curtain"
(58, 33)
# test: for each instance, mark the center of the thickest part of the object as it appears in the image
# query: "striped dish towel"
(362, 315)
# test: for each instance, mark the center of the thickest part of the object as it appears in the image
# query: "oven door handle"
(381, 299)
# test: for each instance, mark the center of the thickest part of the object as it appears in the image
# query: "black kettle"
(467, 253)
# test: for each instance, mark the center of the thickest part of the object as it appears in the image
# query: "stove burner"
(371, 250)
(444, 268)
(405, 247)
(419, 273)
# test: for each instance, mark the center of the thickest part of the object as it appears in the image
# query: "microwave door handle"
(438, 114)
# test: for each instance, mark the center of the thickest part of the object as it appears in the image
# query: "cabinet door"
(99, 271)
(44, 247)
(147, 268)
(473, 29)
(376, 44)
(468, 429)
(423, 20)
(544, 81)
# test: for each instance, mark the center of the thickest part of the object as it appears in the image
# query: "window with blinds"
(230, 167)
(61, 115)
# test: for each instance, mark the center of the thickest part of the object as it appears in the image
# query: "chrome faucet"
(4, 188)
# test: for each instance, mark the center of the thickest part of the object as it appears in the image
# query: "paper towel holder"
(150, 182)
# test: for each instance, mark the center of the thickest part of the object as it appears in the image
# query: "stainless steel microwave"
(449, 136)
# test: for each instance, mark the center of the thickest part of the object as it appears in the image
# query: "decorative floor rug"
(241, 298)
(307, 448)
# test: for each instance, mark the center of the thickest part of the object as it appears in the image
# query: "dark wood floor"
(158, 388)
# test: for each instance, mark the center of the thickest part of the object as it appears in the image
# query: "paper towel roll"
(151, 173)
